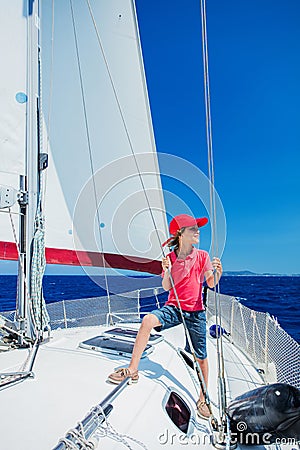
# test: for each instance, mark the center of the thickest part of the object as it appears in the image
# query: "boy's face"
(191, 235)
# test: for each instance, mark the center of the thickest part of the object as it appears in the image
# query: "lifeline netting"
(260, 337)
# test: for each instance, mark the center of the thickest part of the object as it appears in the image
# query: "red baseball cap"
(182, 221)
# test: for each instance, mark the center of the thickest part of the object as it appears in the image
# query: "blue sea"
(278, 295)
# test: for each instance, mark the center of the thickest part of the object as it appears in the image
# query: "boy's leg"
(149, 321)
(204, 369)
(196, 324)
(202, 408)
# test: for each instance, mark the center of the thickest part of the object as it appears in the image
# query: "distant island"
(248, 273)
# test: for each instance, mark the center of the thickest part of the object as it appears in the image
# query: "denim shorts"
(169, 316)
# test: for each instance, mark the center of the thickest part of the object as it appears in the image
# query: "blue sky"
(254, 49)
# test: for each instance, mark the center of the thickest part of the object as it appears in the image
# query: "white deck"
(69, 381)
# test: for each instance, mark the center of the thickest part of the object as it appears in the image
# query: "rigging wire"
(91, 159)
(49, 116)
(220, 359)
(48, 122)
(51, 79)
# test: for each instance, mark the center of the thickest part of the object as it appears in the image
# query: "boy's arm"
(166, 266)
(211, 275)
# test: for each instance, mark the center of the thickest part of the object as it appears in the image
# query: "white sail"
(99, 172)
(103, 184)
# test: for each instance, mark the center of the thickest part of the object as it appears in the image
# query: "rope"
(38, 265)
(107, 430)
(75, 438)
(90, 156)
(78, 438)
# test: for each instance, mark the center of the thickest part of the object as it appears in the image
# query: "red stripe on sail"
(8, 251)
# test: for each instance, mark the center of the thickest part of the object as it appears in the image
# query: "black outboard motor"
(266, 415)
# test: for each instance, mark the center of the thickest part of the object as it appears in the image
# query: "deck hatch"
(113, 346)
(130, 334)
(178, 411)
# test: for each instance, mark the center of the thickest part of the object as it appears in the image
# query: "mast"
(30, 183)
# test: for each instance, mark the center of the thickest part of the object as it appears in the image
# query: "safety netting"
(257, 334)
(260, 337)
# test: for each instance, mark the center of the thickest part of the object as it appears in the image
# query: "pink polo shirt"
(188, 276)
